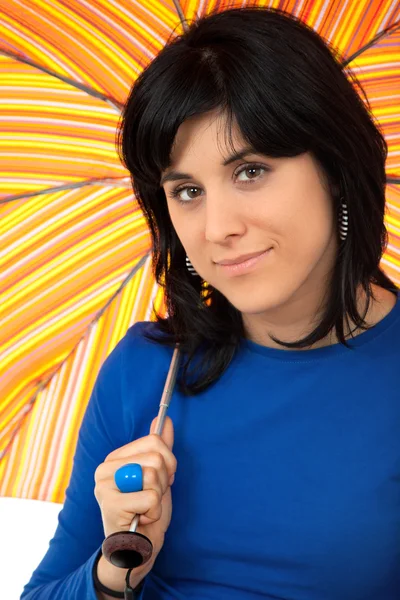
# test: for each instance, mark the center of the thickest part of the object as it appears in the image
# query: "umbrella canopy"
(75, 248)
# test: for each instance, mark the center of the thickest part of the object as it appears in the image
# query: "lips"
(246, 266)
(240, 259)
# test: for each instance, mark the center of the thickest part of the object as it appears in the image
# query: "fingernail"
(172, 479)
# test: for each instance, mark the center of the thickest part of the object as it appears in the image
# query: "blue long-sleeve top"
(288, 478)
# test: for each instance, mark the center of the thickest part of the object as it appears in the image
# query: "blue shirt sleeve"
(65, 572)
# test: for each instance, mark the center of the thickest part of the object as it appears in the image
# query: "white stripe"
(65, 411)
(123, 31)
(391, 265)
(122, 182)
(5, 481)
(393, 249)
(48, 324)
(39, 437)
(83, 161)
(321, 16)
(51, 121)
(389, 13)
(25, 85)
(19, 34)
(46, 223)
(59, 141)
(56, 284)
(377, 67)
(52, 104)
(332, 31)
(75, 40)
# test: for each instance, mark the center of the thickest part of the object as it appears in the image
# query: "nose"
(222, 217)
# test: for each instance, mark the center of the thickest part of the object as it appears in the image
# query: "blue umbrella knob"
(129, 478)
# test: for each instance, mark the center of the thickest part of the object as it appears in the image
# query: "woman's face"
(237, 209)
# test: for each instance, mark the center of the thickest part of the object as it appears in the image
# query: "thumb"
(167, 433)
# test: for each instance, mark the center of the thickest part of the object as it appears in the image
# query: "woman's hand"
(153, 504)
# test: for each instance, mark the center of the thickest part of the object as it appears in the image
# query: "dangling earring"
(191, 268)
(343, 221)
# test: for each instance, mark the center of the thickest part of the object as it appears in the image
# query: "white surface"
(34, 521)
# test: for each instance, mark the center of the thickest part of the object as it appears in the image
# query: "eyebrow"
(176, 175)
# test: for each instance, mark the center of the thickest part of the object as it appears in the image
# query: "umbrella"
(75, 248)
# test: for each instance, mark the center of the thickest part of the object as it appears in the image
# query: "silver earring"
(190, 267)
(343, 221)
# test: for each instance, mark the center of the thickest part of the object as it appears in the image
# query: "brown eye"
(252, 170)
(190, 190)
(177, 193)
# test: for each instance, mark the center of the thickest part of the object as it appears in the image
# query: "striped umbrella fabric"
(75, 249)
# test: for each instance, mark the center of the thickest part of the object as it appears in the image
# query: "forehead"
(201, 133)
(212, 127)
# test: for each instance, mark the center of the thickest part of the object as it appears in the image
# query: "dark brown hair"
(288, 92)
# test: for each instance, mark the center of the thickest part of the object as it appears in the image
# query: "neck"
(298, 318)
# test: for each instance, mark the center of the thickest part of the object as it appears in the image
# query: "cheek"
(307, 227)
(181, 226)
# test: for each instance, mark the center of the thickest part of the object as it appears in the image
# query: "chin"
(259, 297)
(254, 305)
(254, 308)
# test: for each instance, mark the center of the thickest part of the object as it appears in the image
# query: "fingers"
(146, 503)
(154, 470)
(154, 453)
(167, 434)
(150, 443)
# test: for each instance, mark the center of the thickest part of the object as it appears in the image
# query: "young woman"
(261, 174)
